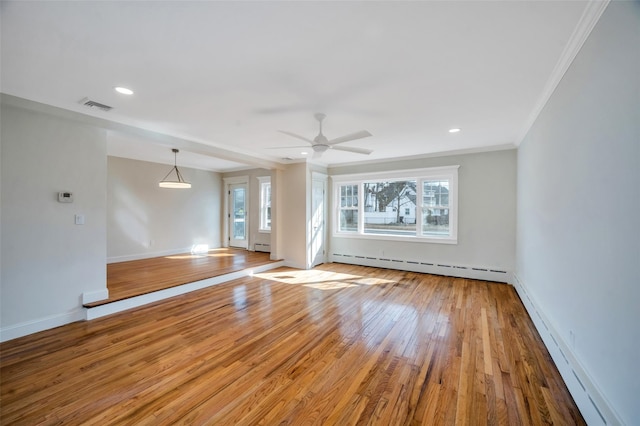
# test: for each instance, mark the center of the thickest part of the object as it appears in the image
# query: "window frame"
(340, 207)
(449, 173)
(264, 182)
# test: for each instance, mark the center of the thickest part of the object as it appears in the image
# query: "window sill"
(405, 239)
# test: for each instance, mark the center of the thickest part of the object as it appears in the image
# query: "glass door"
(238, 215)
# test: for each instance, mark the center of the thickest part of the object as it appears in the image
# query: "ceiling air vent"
(93, 104)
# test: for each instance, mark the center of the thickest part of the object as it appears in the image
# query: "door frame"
(323, 258)
(235, 180)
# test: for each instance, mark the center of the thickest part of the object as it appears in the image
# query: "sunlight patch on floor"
(372, 281)
(335, 285)
(321, 280)
(305, 276)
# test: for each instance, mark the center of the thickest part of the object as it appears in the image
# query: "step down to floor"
(144, 299)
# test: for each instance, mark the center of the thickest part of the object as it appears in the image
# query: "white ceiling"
(228, 75)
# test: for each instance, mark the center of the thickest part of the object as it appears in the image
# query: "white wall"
(486, 216)
(578, 226)
(48, 262)
(293, 214)
(144, 220)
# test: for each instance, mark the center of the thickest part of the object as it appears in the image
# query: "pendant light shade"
(178, 182)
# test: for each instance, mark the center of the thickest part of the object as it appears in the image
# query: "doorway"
(318, 215)
(237, 215)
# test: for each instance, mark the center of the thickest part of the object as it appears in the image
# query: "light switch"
(79, 219)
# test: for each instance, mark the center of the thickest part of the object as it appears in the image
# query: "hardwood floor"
(137, 277)
(340, 344)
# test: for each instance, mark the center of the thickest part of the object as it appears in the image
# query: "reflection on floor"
(336, 345)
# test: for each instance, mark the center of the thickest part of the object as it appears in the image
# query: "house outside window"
(265, 203)
(390, 207)
(413, 204)
(435, 207)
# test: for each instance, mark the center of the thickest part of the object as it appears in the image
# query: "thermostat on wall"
(65, 197)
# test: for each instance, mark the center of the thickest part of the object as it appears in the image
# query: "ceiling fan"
(320, 143)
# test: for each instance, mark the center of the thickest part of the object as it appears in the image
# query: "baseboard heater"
(423, 266)
(262, 247)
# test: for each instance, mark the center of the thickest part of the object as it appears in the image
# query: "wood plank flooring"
(137, 277)
(337, 345)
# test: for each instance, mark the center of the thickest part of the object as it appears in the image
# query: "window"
(435, 207)
(413, 204)
(265, 204)
(390, 207)
(348, 210)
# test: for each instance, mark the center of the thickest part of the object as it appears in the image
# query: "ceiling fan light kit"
(321, 144)
(179, 182)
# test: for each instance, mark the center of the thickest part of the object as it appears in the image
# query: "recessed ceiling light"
(304, 153)
(454, 130)
(123, 90)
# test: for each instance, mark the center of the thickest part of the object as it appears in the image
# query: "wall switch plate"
(79, 219)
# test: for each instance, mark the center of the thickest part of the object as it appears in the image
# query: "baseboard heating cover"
(262, 247)
(594, 407)
(426, 267)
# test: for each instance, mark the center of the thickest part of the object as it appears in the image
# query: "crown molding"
(449, 153)
(590, 16)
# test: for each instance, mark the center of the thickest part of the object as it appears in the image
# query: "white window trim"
(433, 173)
(261, 228)
(338, 208)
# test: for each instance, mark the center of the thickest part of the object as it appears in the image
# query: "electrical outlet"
(572, 339)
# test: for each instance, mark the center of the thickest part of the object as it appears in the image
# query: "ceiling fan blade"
(353, 136)
(351, 149)
(296, 136)
(288, 147)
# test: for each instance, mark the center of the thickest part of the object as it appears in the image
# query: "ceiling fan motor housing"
(321, 139)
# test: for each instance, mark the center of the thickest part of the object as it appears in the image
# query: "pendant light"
(179, 183)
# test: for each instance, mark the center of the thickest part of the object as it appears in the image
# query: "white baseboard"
(94, 296)
(427, 267)
(294, 265)
(41, 324)
(135, 302)
(594, 407)
(139, 256)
